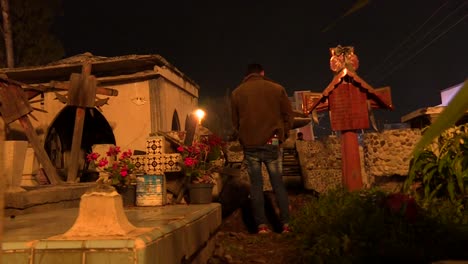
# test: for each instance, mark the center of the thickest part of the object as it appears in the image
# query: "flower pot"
(128, 193)
(201, 193)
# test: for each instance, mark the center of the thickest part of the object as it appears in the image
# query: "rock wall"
(320, 163)
(389, 153)
(235, 158)
(383, 154)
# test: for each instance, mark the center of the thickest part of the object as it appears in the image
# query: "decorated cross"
(82, 89)
(349, 100)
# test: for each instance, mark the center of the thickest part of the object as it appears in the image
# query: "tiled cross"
(156, 162)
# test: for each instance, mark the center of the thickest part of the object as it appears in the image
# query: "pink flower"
(113, 151)
(402, 204)
(92, 156)
(118, 167)
(103, 162)
(190, 162)
(115, 165)
(180, 149)
(126, 154)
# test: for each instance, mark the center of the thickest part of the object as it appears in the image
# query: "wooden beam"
(351, 161)
(39, 151)
(76, 145)
(79, 90)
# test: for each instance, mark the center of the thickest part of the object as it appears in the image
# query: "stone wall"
(389, 153)
(320, 163)
(235, 157)
(383, 155)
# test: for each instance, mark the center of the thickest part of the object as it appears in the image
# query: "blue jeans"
(271, 156)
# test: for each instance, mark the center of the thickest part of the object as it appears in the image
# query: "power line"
(404, 54)
(407, 39)
(419, 51)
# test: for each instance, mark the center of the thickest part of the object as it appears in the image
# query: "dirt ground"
(236, 241)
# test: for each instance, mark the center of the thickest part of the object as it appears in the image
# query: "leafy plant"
(114, 169)
(451, 114)
(442, 167)
(375, 227)
(201, 158)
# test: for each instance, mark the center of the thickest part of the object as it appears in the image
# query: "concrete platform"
(167, 234)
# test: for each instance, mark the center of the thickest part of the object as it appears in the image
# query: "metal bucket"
(151, 190)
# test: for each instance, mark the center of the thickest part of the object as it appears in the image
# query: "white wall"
(176, 99)
(129, 115)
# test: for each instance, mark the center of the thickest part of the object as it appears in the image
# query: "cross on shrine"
(14, 105)
(82, 89)
(156, 161)
(349, 100)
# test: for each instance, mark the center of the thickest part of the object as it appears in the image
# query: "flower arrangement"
(114, 169)
(202, 158)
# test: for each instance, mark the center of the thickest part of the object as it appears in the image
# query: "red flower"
(113, 151)
(402, 204)
(121, 166)
(92, 156)
(200, 158)
(103, 162)
(190, 162)
(126, 154)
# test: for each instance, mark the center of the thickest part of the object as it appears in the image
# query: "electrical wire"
(397, 60)
(390, 55)
(420, 50)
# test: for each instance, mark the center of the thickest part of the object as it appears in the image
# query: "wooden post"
(7, 33)
(76, 145)
(39, 151)
(2, 185)
(351, 162)
(349, 99)
(81, 94)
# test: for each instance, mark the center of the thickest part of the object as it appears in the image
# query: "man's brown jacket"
(260, 107)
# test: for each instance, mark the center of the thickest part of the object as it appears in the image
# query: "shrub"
(371, 226)
(441, 169)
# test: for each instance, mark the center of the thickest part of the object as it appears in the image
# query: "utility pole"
(2, 185)
(7, 34)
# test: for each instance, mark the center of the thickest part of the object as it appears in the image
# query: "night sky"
(417, 47)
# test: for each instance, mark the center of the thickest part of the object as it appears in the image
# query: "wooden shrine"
(349, 100)
(14, 105)
(82, 89)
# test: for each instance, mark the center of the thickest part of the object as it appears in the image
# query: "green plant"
(114, 169)
(442, 167)
(443, 170)
(451, 114)
(201, 158)
(374, 227)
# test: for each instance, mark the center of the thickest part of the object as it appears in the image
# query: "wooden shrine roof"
(101, 67)
(378, 100)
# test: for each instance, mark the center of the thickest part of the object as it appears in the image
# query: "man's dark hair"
(254, 68)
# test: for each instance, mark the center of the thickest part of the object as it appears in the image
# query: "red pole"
(352, 178)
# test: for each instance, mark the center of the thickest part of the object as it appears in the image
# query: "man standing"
(262, 115)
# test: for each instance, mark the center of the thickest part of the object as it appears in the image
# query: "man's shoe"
(286, 229)
(263, 230)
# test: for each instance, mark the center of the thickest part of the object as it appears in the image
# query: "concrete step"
(165, 234)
